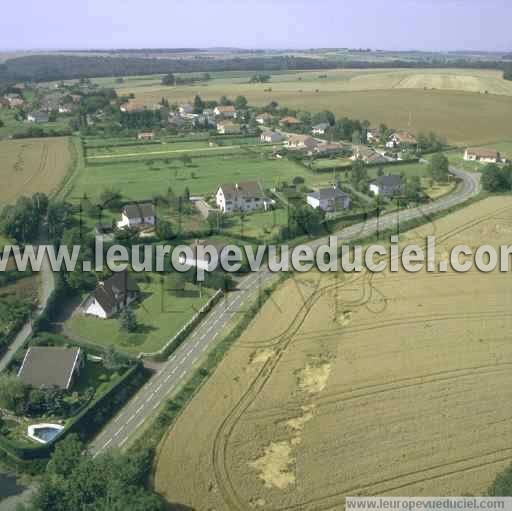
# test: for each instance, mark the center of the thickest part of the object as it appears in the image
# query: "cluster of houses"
(53, 102)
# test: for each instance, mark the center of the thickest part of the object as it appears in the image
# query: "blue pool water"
(46, 434)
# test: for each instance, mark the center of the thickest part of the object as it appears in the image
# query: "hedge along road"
(173, 373)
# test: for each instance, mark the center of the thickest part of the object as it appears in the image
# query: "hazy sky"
(384, 24)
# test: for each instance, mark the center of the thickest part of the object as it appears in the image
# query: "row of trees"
(496, 178)
(75, 480)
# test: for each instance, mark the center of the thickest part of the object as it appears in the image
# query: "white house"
(367, 154)
(225, 111)
(387, 186)
(64, 109)
(329, 199)
(145, 135)
(228, 128)
(244, 196)
(320, 129)
(482, 155)
(372, 135)
(137, 215)
(271, 137)
(111, 296)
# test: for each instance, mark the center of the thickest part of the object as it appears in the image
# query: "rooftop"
(49, 366)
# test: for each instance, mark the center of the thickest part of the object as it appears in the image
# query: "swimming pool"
(44, 433)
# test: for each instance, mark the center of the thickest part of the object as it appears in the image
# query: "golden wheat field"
(389, 384)
(32, 165)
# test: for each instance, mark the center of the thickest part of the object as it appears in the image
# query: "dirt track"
(394, 384)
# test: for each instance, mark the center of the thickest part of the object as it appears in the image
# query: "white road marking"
(123, 441)
(139, 409)
(106, 443)
(119, 431)
(130, 419)
(158, 388)
(183, 373)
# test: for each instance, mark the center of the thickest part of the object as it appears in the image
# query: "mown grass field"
(139, 179)
(403, 379)
(32, 165)
(450, 102)
(160, 314)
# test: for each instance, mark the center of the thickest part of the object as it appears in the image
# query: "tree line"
(65, 67)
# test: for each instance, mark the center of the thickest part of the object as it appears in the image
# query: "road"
(46, 287)
(181, 364)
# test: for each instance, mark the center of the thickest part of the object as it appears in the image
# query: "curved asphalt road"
(183, 362)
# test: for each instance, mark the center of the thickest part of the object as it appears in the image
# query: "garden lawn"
(161, 313)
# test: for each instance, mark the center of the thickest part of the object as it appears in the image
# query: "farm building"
(50, 367)
(302, 142)
(387, 186)
(137, 215)
(111, 296)
(483, 155)
(228, 128)
(271, 137)
(329, 199)
(244, 196)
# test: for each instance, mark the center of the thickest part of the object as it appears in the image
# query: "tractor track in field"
(282, 341)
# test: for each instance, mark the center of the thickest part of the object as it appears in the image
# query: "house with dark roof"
(387, 186)
(329, 199)
(243, 196)
(50, 367)
(111, 296)
(38, 117)
(137, 214)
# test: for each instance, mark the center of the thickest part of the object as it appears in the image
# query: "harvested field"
(32, 165)
(391, 384)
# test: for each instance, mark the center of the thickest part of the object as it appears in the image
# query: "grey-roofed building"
(111, 296)
(271, 137)
(50, 366)
(38, 117)
(320, 129)
(387, 186)
(329, 199)
(137, 214)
